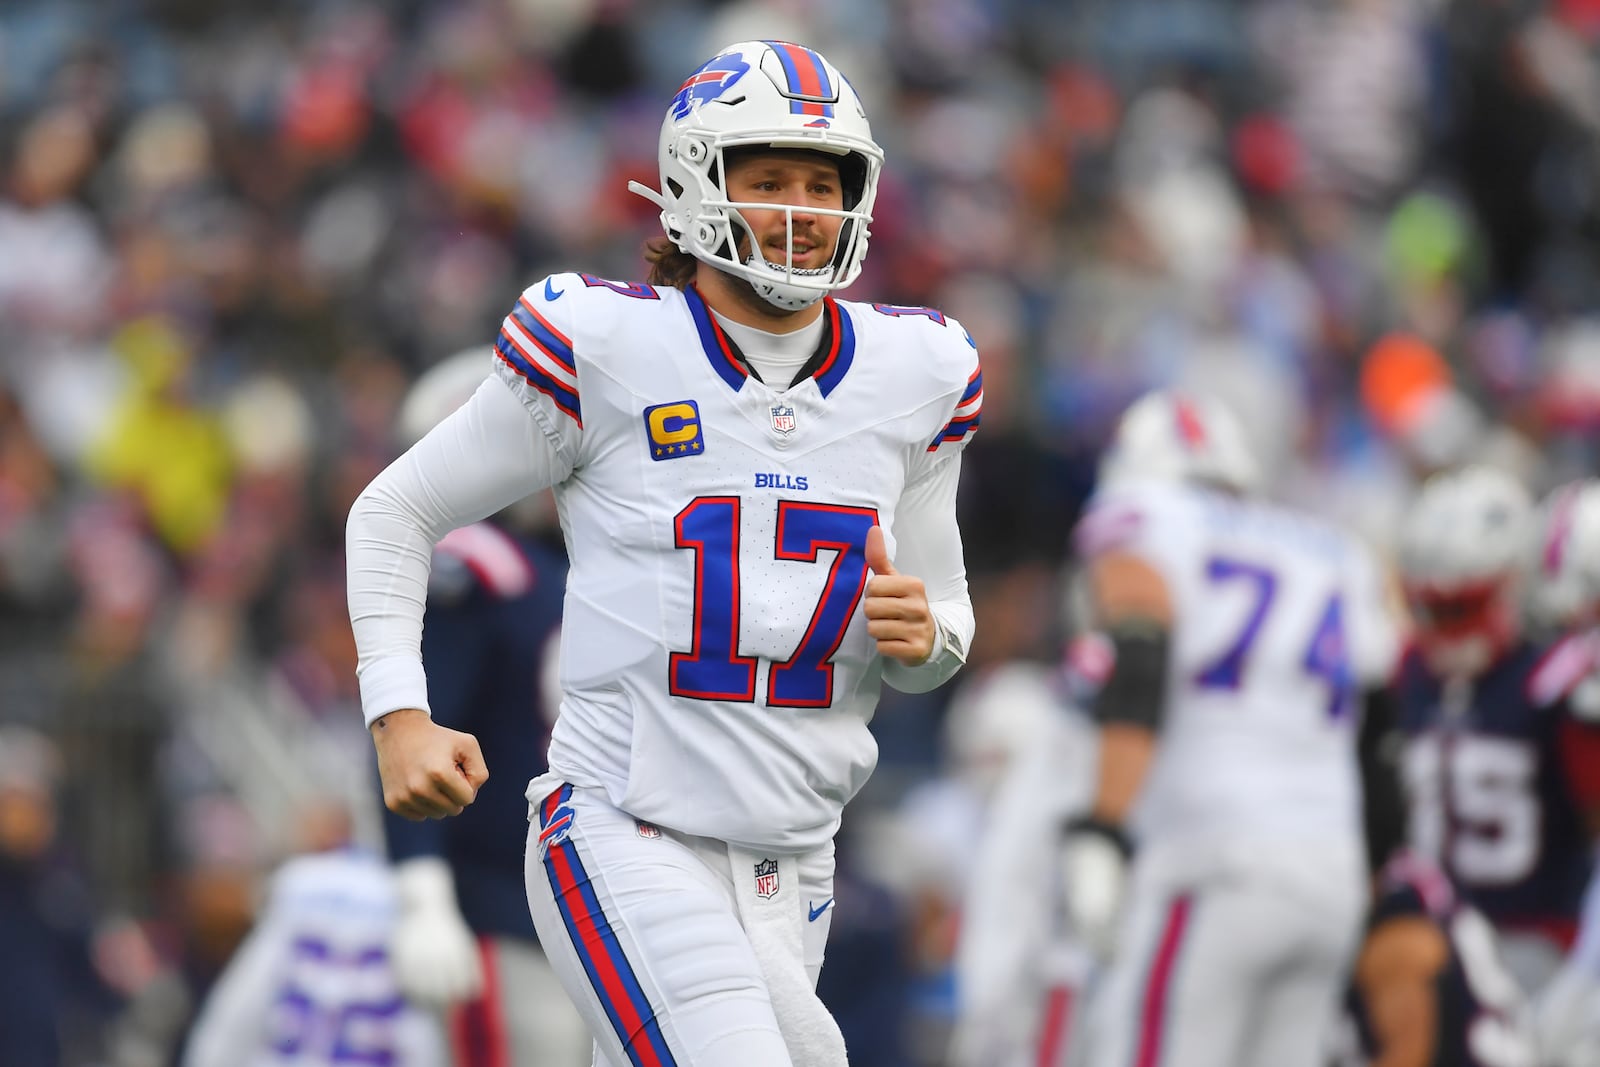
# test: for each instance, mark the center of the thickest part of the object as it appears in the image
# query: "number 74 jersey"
(716, 671)
(1280, 622)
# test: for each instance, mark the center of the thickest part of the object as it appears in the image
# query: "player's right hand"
(1094, 868)
(428, 771)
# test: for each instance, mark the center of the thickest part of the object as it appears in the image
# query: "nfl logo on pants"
(767, 879)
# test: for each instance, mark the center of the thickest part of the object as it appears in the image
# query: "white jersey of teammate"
(1280, 622)
(716, 669)
(312, 984)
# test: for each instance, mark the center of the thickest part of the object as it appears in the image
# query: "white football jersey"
(1280, 622)
(312, 985)
(717, 672)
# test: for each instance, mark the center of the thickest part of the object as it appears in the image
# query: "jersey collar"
(835, 352)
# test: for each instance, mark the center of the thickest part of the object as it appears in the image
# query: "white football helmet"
(1565, 587)
(441, 389)
(1463, 546)
(764, 94)
(1171, 436)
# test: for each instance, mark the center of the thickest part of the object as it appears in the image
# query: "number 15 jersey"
(716, 669)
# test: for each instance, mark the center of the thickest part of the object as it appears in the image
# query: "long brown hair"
(668, 265)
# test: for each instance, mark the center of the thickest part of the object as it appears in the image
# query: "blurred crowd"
(233, 234)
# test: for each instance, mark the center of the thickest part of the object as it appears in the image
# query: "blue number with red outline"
(900, 311)
(712, 669)
(637, 290)
(805, 679)
(1327, 656)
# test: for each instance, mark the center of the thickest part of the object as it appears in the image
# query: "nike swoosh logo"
(551, 292)
(816, 913)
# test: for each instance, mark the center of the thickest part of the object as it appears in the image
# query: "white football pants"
(522, 1016)
(679, 950)
(1239, 966)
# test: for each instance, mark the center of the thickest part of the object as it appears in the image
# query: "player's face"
(803, 180)
(1462, 630)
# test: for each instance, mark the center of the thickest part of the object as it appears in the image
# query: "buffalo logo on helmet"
(708, 83)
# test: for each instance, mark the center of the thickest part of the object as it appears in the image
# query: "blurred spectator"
(52, 999)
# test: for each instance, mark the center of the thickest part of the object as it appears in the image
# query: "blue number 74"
(1327, 655)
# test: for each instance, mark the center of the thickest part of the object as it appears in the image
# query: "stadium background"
(231, 234)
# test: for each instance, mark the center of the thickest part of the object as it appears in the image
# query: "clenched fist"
(428, 771)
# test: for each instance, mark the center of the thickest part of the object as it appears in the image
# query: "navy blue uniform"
(1477, 1002)
(1495, 789)
(494, 603)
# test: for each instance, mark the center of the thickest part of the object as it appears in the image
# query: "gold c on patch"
(674, 430)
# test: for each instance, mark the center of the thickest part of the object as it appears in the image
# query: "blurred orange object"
(1400, 373)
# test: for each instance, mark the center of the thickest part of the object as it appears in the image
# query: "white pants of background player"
(521, 1016)
(1567, 1009)
(680, 950)
(1231, 956)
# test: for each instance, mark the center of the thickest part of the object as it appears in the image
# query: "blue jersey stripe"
(721, 360)
(606, 943)
(545, 334)
(845, 338)
(564, 398)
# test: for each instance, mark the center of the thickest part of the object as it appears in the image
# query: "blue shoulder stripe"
(564, 398)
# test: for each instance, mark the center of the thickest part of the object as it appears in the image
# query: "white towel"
(767, 889)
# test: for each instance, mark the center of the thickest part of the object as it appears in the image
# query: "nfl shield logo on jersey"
(783, 418)
(767, 879)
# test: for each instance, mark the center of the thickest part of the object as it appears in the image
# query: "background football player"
(1502, 770)
(1245, 638)
(1564, 599)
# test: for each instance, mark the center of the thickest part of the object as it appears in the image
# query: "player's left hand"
(896, 606)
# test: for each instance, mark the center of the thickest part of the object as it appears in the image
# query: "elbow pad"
(1136, 691)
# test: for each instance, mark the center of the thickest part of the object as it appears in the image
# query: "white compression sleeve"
(486, 455)
(928, 545)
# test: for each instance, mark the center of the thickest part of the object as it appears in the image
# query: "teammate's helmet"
(764, 94)
(1463, 546)
(1172, 436)
(441, 389)
(1565, 591)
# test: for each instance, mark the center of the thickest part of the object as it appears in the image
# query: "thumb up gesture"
(896, 607)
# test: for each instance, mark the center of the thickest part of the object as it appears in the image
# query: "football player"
(313, 985)
(1020, 974)
(1565, 602)
(1429, 988)
(1247, 637)
(756, 484)
(1502, 766)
